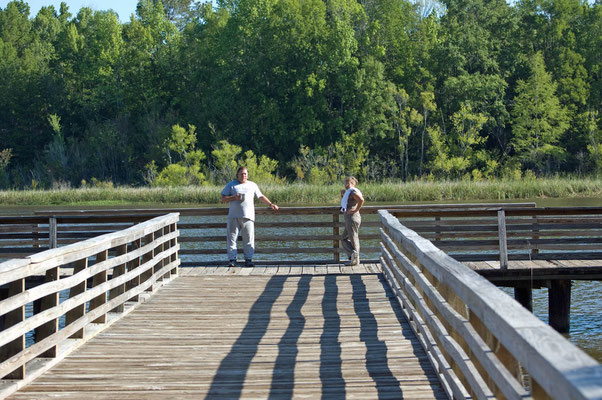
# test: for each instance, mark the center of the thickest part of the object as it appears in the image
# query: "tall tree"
(538, 120)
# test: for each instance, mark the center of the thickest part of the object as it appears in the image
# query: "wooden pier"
(116, 316)
(266, 332)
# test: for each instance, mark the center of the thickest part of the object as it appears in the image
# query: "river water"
(586, 310)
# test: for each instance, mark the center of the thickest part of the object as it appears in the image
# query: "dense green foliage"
(308, 90)
(303, 194)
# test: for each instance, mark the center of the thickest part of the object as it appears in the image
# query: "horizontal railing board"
(283, 250)
(527, 235)
(284, 210)
(273, 238)
(223, 263)
(22, 219)
(30, 230)
(92, 228)
(531, 228)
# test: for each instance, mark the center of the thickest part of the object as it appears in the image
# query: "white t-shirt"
(245, 208)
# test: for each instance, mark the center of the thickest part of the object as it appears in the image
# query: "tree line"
(305, 90)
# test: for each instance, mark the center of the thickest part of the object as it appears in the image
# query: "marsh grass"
(328, 194)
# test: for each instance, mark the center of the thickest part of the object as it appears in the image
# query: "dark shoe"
(232, 263)
(249, 264)
(354, 259)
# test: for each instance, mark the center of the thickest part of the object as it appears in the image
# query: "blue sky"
(122, 7)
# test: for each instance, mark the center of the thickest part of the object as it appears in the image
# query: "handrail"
(223, 210)
(123, 267)
(477, 337)
(203, 230)
(468, 232)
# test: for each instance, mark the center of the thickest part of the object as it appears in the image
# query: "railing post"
(437, 229)
(146, 257)
(47, 302)
(336, 234)
(156, 250)
(535, 250)
(501, 225)
(52, 233)
(13, 318)
(172, 244)
(164, 247)
(99, 279)
(118, 271)
(79, 311)
(135, 263)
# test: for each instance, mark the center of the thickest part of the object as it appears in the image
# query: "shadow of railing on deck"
(231, 374)
(331, 363)
(386, 384)
(283, 376)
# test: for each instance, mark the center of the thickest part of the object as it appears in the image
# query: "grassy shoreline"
(295, 193)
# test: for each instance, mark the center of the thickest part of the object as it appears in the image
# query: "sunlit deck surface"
(283, 332)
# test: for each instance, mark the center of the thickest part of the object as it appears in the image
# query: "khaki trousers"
(350, 238)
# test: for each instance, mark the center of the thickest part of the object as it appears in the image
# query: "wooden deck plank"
(256, 336)
(283, 270)
(321, 270)
(333, 269)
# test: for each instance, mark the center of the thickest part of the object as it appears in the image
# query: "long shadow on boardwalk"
(231, 374)
(233, 368)
(284, 368)
(386, 384)
(331, 374)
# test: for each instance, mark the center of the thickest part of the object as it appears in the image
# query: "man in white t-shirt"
(240, 194)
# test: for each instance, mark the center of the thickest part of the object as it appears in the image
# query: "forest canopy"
(299, 90)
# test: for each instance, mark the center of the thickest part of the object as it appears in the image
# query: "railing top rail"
(223, 210)
(554, 211)
(555, 363)
(39, 263)
(492, 211)
(22, 219)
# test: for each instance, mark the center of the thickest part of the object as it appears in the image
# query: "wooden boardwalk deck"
(538, 269)
(266, 332)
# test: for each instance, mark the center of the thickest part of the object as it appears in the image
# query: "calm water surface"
(586, 310)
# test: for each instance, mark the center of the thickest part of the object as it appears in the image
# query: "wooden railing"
(298, 235)
(511, 233)
(481, 341)
(87, 285)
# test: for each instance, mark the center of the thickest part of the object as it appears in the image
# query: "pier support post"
(524, 296)
(559, 301)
